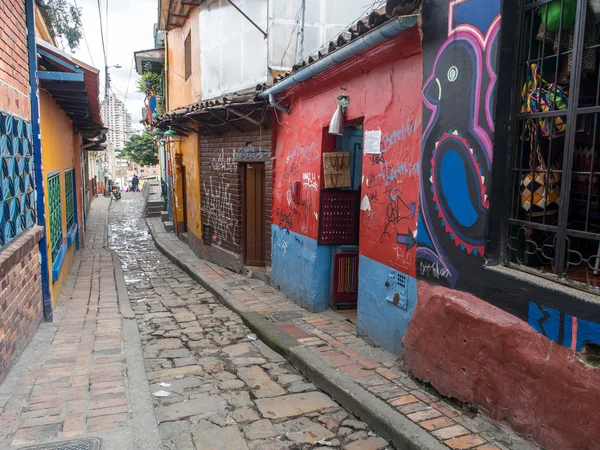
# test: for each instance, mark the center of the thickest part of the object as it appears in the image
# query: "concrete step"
(152, 214)
(164, 215)
(168, 226)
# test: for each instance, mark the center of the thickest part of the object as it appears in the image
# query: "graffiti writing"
(433, 270)
(309, 181)
(388, 140)
(251, 153)
(376, 159)
(218, 210)
(302, 154)
(224, 163)
(284, 220)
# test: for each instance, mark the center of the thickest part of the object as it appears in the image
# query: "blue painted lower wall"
(301, 269)
(386, 302)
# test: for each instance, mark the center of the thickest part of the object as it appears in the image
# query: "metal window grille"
(69, 197)
(55, 210)
(17, 178)
(188, 55)
(554, 220)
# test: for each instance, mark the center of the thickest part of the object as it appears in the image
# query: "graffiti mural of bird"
(456, 155)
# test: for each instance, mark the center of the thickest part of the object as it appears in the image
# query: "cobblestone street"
(215, 385)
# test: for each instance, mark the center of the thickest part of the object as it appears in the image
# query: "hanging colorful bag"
(539, 96)
(540, 188)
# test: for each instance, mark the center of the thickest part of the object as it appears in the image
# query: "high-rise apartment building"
(118, 123)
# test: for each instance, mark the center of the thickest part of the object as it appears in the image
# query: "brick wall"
(221, 164)
(14, 64)
(20, 296)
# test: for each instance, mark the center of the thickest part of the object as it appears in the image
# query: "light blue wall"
(379, 319)
(301, 269)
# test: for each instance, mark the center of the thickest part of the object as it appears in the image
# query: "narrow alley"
(299, 225)
(215, 384)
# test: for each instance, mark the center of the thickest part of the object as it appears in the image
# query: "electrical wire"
(130, 73)
(102, 34)
(85, 38)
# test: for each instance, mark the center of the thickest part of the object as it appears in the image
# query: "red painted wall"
(477, 353)
(384, 86)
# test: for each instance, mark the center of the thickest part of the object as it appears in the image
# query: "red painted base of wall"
(474, 352)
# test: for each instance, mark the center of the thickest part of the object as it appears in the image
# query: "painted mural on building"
(457, 146)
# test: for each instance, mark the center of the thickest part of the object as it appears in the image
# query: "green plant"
(64, 22)
(152, 82)
(141, 150)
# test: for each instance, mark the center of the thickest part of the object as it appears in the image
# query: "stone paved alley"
(226, 390)
(157, 361)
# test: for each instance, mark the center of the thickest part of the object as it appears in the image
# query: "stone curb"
(145, 426)
(122, 295)
(386, 421)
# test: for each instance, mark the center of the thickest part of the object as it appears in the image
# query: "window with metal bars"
(69, 197)
(55, 211)
(188, 55)
(554, 218)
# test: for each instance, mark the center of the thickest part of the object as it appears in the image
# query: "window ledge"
(536, 281)
(58, 264)
(72, 235)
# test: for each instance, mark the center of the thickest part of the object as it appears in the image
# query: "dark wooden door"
(254, 242)
(184, 198)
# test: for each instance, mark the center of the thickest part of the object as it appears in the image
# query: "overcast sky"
(130, 28)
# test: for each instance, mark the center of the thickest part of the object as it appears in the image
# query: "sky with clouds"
(130, 28)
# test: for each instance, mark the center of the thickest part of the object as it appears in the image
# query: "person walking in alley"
(135, 181)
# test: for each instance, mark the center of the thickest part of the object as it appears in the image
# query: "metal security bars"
(17, 178)
(554, 220)
(55, 211)
(70, 202)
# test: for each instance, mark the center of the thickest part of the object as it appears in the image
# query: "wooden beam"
(208, 127)
(225, 121)
(246, 117)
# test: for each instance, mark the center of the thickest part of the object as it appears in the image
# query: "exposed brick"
(464, 442)
(434, 424)
(450, 432)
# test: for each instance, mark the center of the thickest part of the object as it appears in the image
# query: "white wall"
(234, 54)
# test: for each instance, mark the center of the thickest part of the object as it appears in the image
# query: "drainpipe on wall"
(37, 155)
(388, 30)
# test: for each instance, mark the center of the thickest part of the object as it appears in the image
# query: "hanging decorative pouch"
(540, 188)
(539, 95)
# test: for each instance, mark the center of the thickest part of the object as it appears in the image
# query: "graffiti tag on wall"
(224, 163)
(456, 149)
(219, 211)
(251, 153)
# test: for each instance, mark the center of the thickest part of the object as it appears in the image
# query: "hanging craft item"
(539, 96)
(336, 168)
(551, 12)
(540, 188)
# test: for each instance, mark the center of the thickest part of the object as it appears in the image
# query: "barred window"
(17, 178)
(55, 211)
(69, 197)
(554, 220)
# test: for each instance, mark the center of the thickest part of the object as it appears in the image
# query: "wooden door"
(184, 198)
(254, 203)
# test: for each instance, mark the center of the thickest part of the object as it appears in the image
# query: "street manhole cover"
(80, 444)
(285, 317)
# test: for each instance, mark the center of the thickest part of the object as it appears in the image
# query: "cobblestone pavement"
(71, 380)
(336, 341)
(216, 386)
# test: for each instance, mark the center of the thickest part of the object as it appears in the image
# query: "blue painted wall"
(562, 328)
(379, 319)
(301, 269)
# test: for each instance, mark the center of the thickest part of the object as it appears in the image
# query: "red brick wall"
(20, 296)
(221, 160)
(14, 65)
